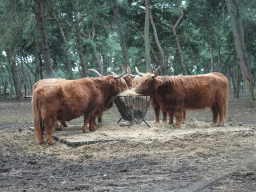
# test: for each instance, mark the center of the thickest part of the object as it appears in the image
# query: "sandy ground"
(195, 157)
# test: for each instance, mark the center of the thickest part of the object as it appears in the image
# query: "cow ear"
(157, 83)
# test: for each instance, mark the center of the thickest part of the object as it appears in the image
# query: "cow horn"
(153, 69)
(155, 73)
(129, 72)
(120, 75)
(113, 73)
(121, 68)
(95, 71)
(137, 71)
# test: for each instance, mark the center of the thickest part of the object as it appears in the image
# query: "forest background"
(63, 38)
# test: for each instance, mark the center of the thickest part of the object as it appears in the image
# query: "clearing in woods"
(196, 156)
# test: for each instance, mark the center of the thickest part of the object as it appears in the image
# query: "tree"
(121, 34)
(146, 37)
(238, 33)
(39, 4)
(71, 76)
(78, 42)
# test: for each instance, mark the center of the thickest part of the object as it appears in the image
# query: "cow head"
(127, 77)
(148, 83)
(116, 82)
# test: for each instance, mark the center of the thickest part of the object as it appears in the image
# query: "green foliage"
(205, 23)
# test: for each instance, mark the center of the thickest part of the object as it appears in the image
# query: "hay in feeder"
(129, 92)
(132, 106)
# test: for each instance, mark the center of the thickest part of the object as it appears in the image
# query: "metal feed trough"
(133, 108)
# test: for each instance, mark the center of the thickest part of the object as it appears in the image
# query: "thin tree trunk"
(2, 76)
(161, 61)
(238, 80)
(184, 71)
(14, 72)
(121, 34)
(45, 48)
(233, 78)
(37, 72)
(78, 42)
(71, 76)
(146, 36)
(211, 52)
(242, 57)
(41, 67)
(98, 63)
(219, 67)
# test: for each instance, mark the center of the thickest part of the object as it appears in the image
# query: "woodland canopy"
(63, 38)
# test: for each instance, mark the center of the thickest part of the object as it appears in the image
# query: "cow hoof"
(86, 131)
(50, 142)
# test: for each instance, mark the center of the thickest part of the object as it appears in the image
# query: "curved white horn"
(153, 69)
(128, 73)
(120, 75)
(113, 73)
(155, 73)
(137, 71)
(95, 71)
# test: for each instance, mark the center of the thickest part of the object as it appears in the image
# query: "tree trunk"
(41, 67)
(211, 52)
(146, 36)
(184, 71)
(219, 67)
(78, 42)
(2, 76)
(233, 77)
(37, 72)
(71, 76)
(14, 72)
(121, 34)
(161, 60)
(238, 80)
(45, 48)
(237, 30)
(98, 63)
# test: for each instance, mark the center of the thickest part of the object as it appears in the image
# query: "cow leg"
(222, 115)
(63, 123)
(38, 134)
(48, 124)
(56, 127)
(178, 116)
(170, 118)
(156, 108)
(184, 115)
(87, 118)
(100, 119)
(164, 116)
(92, 123)
(214, 115)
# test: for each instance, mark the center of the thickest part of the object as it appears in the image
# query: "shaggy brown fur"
(68, 99)
(178, 93)
(155, 104)
(46, 82)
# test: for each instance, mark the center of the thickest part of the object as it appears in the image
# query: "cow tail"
(227, 96)
(38, 128)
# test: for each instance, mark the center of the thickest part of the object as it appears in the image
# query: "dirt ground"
(195, 157)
